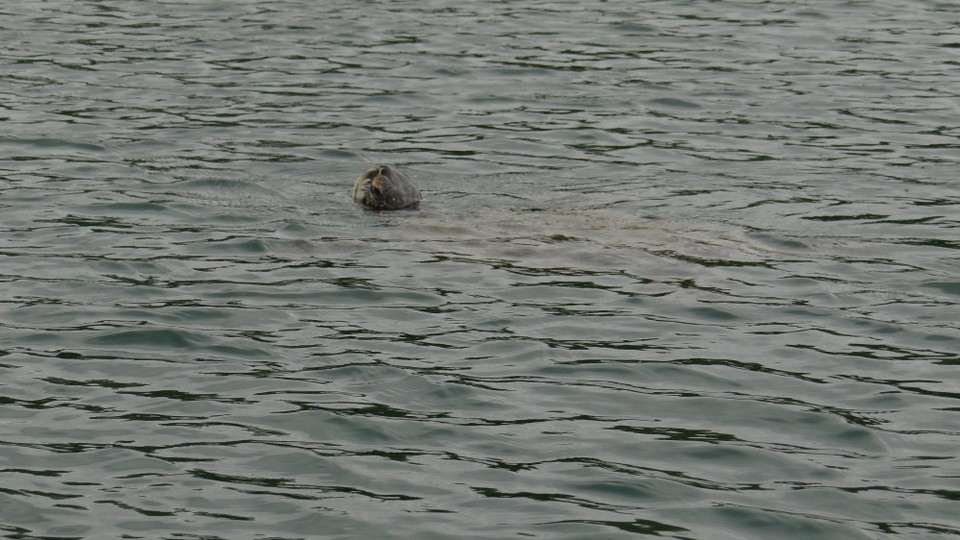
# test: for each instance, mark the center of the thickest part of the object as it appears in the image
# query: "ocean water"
(682, 269)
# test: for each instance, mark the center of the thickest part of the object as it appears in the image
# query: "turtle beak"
(373, 191)
(376, 188)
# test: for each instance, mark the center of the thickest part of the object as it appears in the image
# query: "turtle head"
(372, 188)
(384, 188)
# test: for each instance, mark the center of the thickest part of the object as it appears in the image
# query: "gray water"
(683, 269)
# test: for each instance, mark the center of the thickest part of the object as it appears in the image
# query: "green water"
(682, 269)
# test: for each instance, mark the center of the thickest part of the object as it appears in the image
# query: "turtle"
(383, 187)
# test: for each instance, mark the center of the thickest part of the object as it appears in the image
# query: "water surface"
(683, 269)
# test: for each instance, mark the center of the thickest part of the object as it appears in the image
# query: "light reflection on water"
(686, 272)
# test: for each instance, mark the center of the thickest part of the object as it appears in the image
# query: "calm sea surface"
(683, 269)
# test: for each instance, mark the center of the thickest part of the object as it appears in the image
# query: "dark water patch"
(858, 217)
(46, 145)
(673, 102)
(233, 246)
(162, 338)
(950, 288)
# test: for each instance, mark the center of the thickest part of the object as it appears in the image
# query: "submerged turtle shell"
(385, 188)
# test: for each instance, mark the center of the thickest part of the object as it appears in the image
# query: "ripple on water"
(687, 273)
